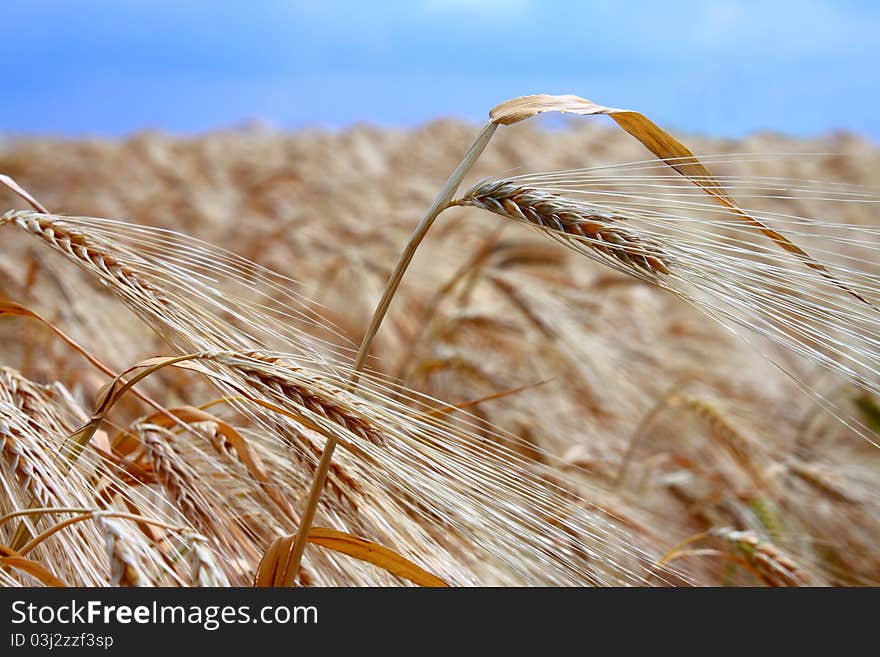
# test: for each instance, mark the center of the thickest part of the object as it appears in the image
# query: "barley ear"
(204, 571)
(127, 568)
(668, 149)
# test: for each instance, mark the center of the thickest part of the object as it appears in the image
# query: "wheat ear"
(203, 568)
(773, 566)
(603, 232)
(18, 458)
(176, 476)
(77, 246)
(126, 566)
(286, 381)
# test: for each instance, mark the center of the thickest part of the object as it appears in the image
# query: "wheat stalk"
(501, 489)
(205, 332)
(399, 486)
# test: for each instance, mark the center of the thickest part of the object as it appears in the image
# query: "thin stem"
(88, 516)
(670, 397)
(440, 204)
(42, 511)
(671, 554)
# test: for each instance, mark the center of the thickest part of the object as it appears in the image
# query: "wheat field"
(530, 416)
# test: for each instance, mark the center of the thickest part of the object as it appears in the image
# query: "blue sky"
(722, 67)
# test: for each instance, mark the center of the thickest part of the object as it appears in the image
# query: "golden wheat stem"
(23, 193)
(440, 204)
(42, 511)
(88, 515)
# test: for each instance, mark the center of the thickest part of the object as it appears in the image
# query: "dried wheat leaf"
(18, 310)
(12, 559)
(273, 567)
(270, 571)
(654, 138)
(108, 395)
(373, 553)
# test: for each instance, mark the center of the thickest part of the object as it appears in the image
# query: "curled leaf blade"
(30, 567)
(273, 569)
(378, 555)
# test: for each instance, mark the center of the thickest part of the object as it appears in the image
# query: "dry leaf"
(12, 559)
(373, 553)
(272, 570)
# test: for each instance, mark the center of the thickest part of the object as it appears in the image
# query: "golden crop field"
(592, 372)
